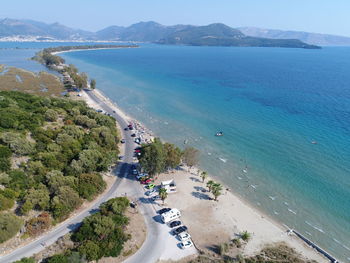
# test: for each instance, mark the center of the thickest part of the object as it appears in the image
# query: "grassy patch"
(43, 83)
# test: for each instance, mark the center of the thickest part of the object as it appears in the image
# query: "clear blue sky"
(323, 16)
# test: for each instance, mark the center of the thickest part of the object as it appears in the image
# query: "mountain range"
(213, 34)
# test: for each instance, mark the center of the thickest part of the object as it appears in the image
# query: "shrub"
(90, 185)
(51, 115)
(37, 225)
(10, 225)
(6, 203)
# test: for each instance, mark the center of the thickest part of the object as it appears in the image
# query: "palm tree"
(245, 235)
(163, 194)
(216, 190)
(204, 175)
(210, 185)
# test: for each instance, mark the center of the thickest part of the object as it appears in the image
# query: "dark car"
(133, 167)
(121, 157)
(163, 210)
(122, 141)
(133, 135)
(126, 129)
(180, 230)
(175, 223)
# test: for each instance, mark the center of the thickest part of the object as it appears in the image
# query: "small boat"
(219, 133)
(314, 142)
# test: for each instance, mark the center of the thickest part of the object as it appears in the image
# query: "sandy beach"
(222, 220)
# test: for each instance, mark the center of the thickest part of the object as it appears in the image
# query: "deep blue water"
(271, 103)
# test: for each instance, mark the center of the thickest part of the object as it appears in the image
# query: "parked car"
(133, 135)
(114, 111)
(133, 166)
(135, 172)
(147, 181)
(186, 244)
(184, 236)
(156, 197)
(150, 192)
(164, 210)
(126, 129)
(150, 186)
(122, 141)
(180, 230)
(175, 223)
(121, 157)
(140, 175)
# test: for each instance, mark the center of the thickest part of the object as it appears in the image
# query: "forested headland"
(52, 154)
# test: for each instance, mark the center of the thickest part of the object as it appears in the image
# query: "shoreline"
(282, 228)
(85, 49)
(295, 242)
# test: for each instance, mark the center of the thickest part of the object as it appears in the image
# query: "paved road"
(159, 244)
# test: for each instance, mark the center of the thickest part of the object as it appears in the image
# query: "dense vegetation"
(159, 157)
(100, 235)
(222, 35)
(51, 154)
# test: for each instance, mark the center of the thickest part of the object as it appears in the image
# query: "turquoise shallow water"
(270, 103)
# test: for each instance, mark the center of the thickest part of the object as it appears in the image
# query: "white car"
(186, 244)
(150, 192)
(184, 236)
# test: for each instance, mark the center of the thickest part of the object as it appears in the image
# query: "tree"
(245, 235)
(172, 156)
(210, 185)
(58, 258)
(91, 250)
(163, 194)
(216, 190)
(90, 185)
(152, 157)
(65, 201)
(92, 83)
(25, 260)
(17, 143)
(10, 225)
(5, 155)
(190, 156)
(204, 175)
(6, 203)
(51, 115)
(38, 198)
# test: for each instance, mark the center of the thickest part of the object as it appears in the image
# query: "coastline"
(75, 50)
(265, 229)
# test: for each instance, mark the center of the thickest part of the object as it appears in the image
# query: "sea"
(284, 114)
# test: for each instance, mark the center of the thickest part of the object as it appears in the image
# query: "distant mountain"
(210, 35)
(142, 31)
(309, 38)
(110, 33)
(13, 27)
(222, 35)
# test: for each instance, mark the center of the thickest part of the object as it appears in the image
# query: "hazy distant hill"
(13, 27)
(222, 35)
(310, 38)
(211, 35)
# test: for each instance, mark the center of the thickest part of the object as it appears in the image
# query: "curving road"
(159, 244)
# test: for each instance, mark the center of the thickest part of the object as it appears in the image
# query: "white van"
(170, 215)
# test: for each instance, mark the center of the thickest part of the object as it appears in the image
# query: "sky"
(320, 16)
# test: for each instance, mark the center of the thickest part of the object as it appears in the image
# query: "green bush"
(51, 115)
(10, 225)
